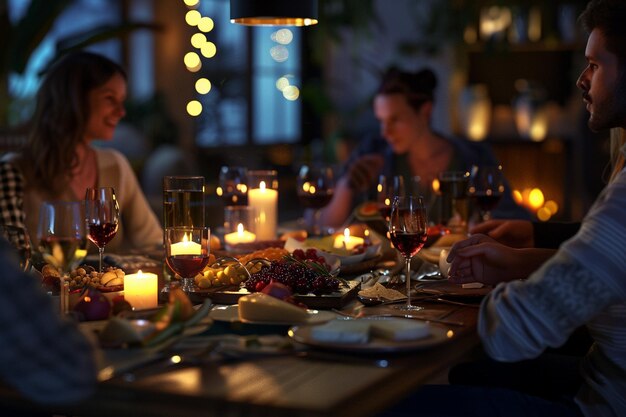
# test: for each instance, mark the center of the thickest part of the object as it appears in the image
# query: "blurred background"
(204, 92)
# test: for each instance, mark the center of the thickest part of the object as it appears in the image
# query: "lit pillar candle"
(265, 201)
(346, 241)
(141, 290)
(186, 247)
(240, 236)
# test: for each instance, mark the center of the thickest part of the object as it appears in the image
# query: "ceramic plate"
(231, 314)
(438, 335)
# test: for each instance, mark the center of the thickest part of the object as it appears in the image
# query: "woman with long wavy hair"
(81, 99)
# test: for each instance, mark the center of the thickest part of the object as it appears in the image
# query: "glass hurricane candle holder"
(187, 252)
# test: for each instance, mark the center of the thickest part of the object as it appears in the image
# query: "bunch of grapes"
(297, 276)
(309, 256)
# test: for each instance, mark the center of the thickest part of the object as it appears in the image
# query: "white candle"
(186, 247)
(141, 290)
(240, 236)
(346, 241)
(265, 201)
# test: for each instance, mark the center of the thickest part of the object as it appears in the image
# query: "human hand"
(513, 233)
(480, 258)
(363, 172)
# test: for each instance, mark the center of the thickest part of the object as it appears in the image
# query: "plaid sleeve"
(12, 198)
(46, 358)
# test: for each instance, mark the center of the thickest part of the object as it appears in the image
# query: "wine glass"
(407, 231)
(19, 239)
(233, 188)
(315, 187)
(187, 252)
(486, 186)
(61, 234)
(387, 188)
(102, 214)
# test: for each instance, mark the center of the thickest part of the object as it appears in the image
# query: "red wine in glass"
(408, 232)
(102, 233)
(486, 187)
(408, 244)
(102, 214)
(187, 265)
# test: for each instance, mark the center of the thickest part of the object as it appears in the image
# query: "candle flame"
(346, 233)
(240, 228)
(262, 185)
(185, 238)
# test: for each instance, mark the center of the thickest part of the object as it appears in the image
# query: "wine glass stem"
(407, 261)
(317, 229)
(100, 252)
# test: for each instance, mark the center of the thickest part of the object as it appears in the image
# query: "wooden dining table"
(307, 383)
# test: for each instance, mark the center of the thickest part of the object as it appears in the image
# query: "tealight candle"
(346, 241)
(240, 236)
(186, 247)
(265, 200)
(141, 290)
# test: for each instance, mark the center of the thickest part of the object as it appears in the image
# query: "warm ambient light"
(194, 108)
(274, 12)
(203, 86)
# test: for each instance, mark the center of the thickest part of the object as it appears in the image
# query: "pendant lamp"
(273, 12)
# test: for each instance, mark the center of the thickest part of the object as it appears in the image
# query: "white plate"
(231, 314)
(323, 245)
(438, 334)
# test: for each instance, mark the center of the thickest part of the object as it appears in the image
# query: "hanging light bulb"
(274, 12)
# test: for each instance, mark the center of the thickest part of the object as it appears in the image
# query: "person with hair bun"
(408, 146)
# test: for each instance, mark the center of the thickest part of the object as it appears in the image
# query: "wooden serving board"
(231, 294)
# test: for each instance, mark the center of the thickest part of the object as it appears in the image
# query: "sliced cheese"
(399, 329)
(342, 331)
(472, 285)
(263, 307)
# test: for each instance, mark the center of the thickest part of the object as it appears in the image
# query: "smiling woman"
(80, 99)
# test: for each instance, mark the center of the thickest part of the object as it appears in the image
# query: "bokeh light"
(279, 53)
(193, 17)
(198, 40)
(282, 36)
(194, 108)
(206, 24)
(552, 206)
(291, 92)
(203, 86)
(282, 83)
(517, 196)
(208, 50)
(536, 198)
(544, 214)
(191, 3)
(191, 59)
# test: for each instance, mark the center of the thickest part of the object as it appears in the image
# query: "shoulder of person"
(110, 154)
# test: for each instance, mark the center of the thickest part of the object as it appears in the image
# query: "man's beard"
(612, 112)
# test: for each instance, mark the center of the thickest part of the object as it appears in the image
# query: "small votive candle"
(346, 241)
(240, 236)
(141, 290)
(185, 247)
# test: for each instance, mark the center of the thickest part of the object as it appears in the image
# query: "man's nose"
(582, 82)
